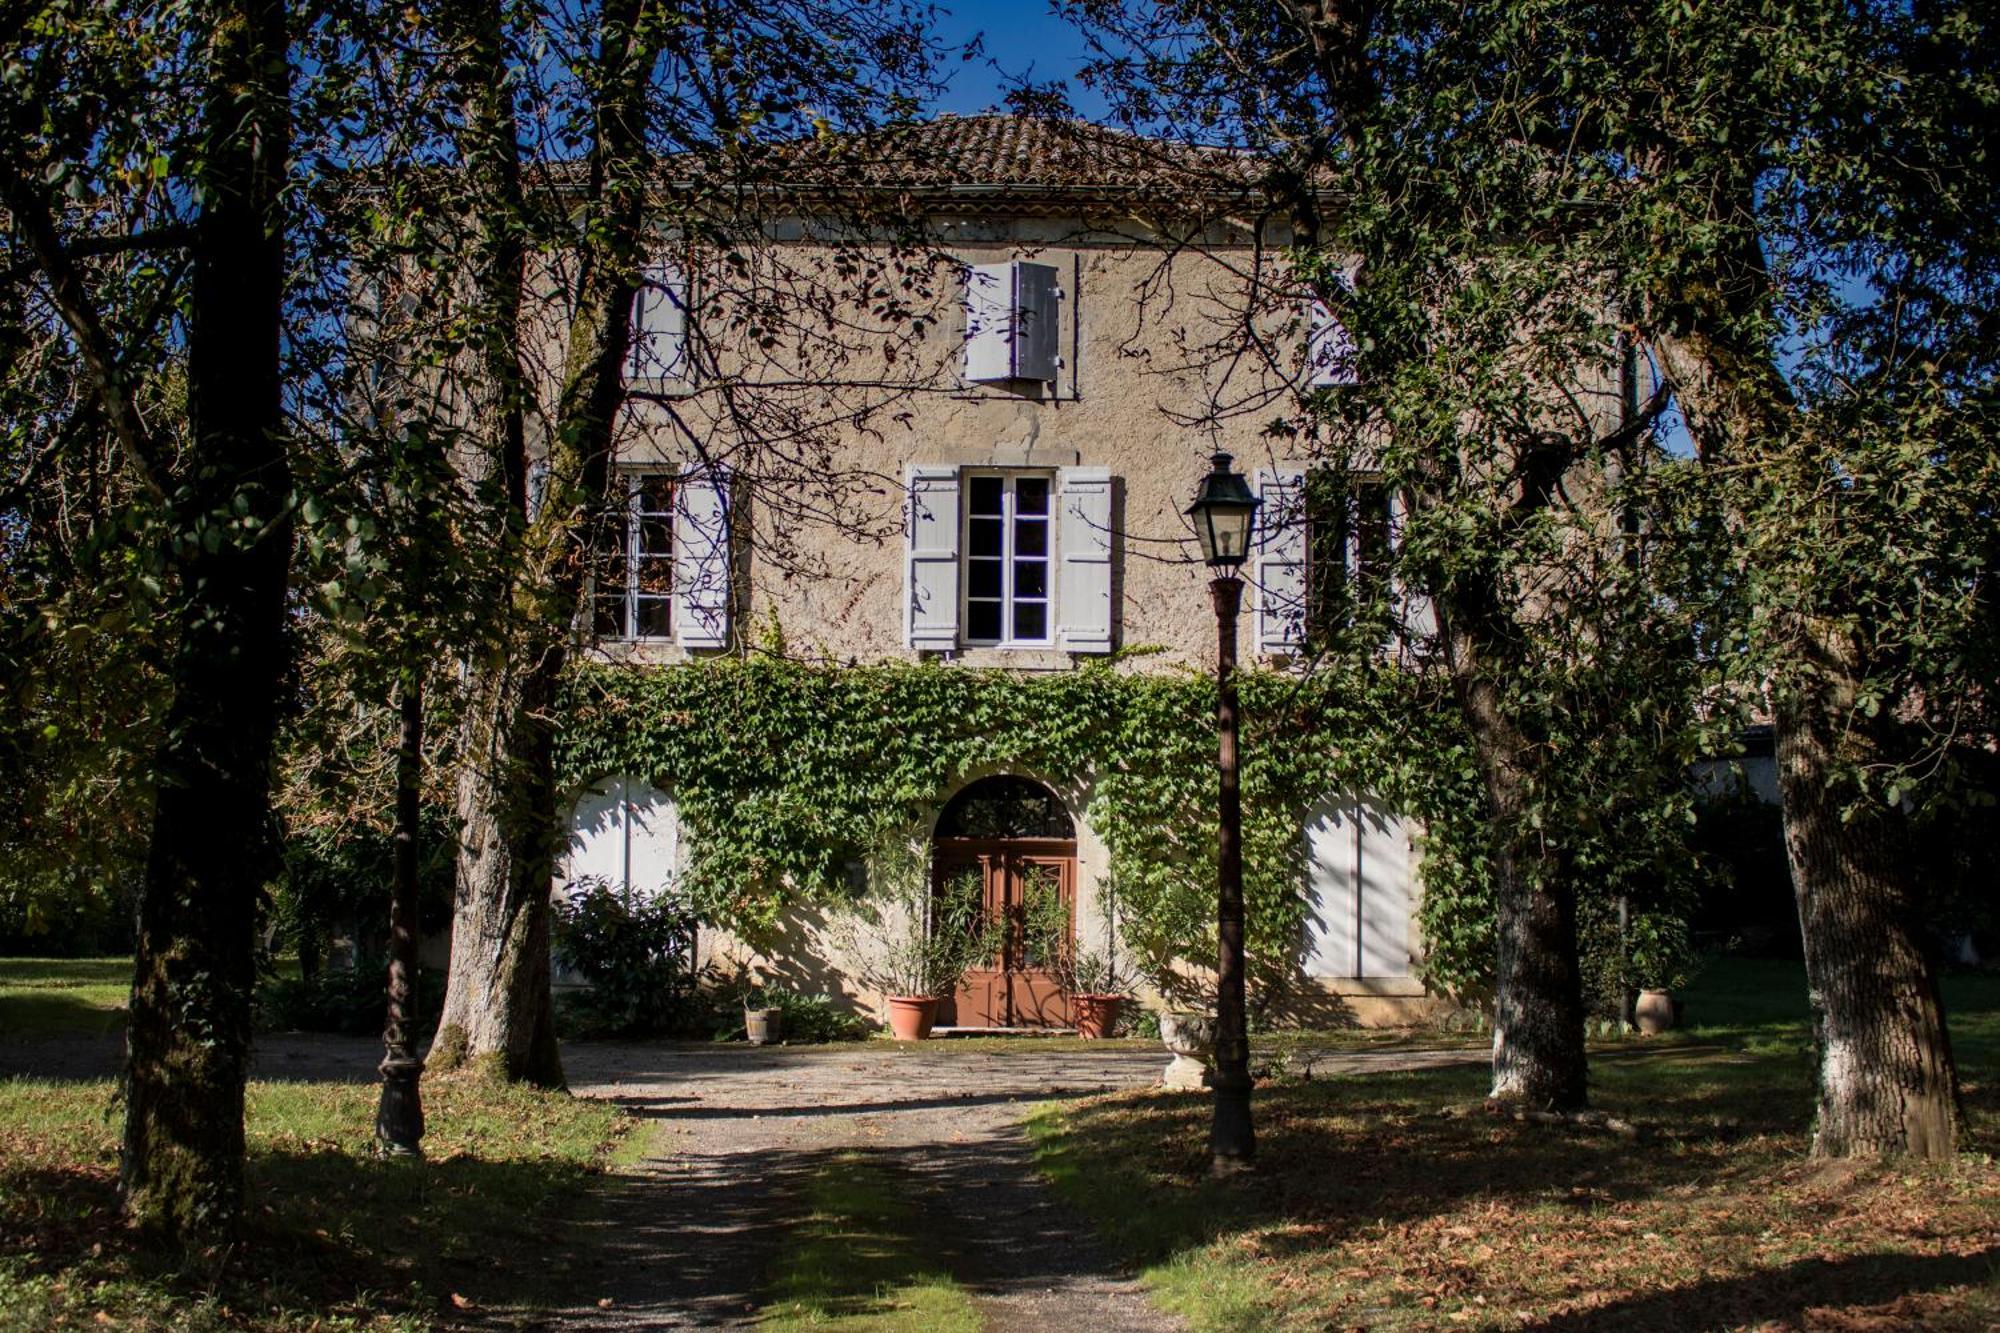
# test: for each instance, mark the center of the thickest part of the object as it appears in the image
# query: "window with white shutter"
(702, 575)
(931, 537)
(1360, 891)
(1280, 566)
(1013, 322)
(657, 354)
(1083, 539)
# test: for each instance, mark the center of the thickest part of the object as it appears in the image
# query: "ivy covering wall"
(786, 774)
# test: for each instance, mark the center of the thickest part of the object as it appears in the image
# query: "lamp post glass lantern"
(1225, 515)
(1224, 512)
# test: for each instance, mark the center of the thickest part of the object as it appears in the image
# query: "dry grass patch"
(1372, 1209)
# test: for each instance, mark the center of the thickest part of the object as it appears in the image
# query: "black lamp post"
(1224, 514)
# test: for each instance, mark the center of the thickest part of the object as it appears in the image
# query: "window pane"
(1031, 537)
(985, 494)
(1031, 578)
(609, 622)
(982, 578)
(656, 495)
(984, 537)
(656, 534)
(1031, 495)
(1371, 529)
(653, 617)
(982, 621)
(1031, 620)
(656, 577)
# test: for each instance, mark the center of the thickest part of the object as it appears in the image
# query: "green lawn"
(1373, 1209)
(339, 1238)
(53, 997)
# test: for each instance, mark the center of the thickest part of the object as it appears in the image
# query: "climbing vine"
(787, 774)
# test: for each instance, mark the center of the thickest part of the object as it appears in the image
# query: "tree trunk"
(399, 1115)
(1887, 1083)
(498, 1013)
(188, 1036)
(1538, 1052)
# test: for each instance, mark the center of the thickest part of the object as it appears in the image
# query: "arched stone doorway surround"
(1010, 830)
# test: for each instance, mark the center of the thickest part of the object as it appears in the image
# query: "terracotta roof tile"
(1028, 154)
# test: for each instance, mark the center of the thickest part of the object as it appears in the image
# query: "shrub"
(353, 1001)
(637, 953)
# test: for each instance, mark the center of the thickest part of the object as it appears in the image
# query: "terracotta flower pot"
(911, 1016)
(1654, 1012)
(1094, 1015)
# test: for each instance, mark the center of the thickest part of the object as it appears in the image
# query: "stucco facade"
(820, 410)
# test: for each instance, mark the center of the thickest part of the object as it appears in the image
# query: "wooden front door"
(1013, 989)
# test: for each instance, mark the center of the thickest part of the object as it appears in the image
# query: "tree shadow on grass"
(1782, 1294)
(328, 1233)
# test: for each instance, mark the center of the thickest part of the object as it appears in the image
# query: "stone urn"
(1191, 1040)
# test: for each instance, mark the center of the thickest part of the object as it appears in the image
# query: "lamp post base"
(399, 1117)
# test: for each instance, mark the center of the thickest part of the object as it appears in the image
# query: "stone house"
(968, 438)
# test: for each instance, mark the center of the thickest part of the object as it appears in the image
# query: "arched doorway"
(1012, 834)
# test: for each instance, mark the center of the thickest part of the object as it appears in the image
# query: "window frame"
(632, 518)
(1320, 597)
(1010, 518)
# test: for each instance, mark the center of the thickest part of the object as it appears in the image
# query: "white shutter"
(1329, 350)
(1333, 873)
(989, 322)
(931, 528)
(1416, 617)
(1038, 322)
(701, 560)
(1280, 544)
(658, 348)
(1083, 608)
(1384, 880)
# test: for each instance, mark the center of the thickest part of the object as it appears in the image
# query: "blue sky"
(1022, 38)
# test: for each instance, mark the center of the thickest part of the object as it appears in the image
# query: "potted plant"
(1660, 953)
(1095, 980)
(762, 1017)
(924, 943)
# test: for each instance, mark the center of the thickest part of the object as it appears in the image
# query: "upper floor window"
(657, 352)
(632, 573)
(1008, 559)
(1013, 322)
(1007, 553)
(1324, 545)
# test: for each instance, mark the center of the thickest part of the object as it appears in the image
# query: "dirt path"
(689, 1238)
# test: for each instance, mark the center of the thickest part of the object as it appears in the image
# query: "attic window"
(1011, 322)
(657, 350)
